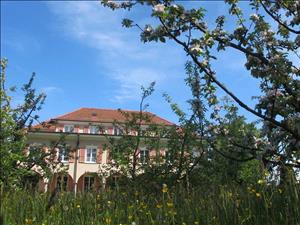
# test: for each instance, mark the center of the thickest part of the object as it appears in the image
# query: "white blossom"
(175, 6)
(217, 108)
(254, 16)
(159, 8)
(204, 63)
(196, 49)
(257, 141)
(148, 28)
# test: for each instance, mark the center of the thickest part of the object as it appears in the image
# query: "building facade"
(85, 132)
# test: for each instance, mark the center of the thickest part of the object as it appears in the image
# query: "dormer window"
(94, 129)
(68, 128)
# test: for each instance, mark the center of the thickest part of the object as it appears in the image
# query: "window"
(91, 153)
(144, 156)
(68, 128)
(63, 154)
(61, 183)
(88, 183)
(117, 131)
(94, 130)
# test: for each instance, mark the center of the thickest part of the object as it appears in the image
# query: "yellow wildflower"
(158, 206)
(165, 188)
(28, 221)
(78, 206)
(170, 204)
(260, 181)
(129, 217)
(258, 195)
(267, 174)
(108, 220)
(280, 190)
(196, 223)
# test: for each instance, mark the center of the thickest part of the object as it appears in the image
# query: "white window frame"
(144, 158)
(90, 160)
(68, 128)
(93, 128)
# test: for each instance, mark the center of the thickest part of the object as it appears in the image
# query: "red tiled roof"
(107, 115)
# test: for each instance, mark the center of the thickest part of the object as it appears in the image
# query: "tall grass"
(258, 204)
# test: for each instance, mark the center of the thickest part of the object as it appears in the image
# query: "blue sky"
(83, 57)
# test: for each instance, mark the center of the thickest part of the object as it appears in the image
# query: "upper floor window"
(91, 154)
(117, 131)
(68, 128)
(94, 129)
(144, 156)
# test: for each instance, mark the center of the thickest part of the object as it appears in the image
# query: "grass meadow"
(225, 205)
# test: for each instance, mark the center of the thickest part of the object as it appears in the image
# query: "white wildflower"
(159, 8)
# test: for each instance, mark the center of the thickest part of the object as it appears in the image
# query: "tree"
(268, 56)
(125, 151)
(19, 161)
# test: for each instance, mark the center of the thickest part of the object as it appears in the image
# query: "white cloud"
(125, 60)
(131, 82)
(51, 90)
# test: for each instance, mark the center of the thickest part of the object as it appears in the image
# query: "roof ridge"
(129, 110)
(65, 114)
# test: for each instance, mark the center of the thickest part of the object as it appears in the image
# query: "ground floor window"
(62, 183)
(144, 156)
(88, 183)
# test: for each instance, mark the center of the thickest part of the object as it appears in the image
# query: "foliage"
(268, 50)
(133, 134)
(19, 162)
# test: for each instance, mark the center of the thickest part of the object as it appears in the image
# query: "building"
(85, 131)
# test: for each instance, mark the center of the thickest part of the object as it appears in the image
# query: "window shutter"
(76, 128)
(86, 129)
(99, 155)
(152, 154)
(108, 156)
(81, 155)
